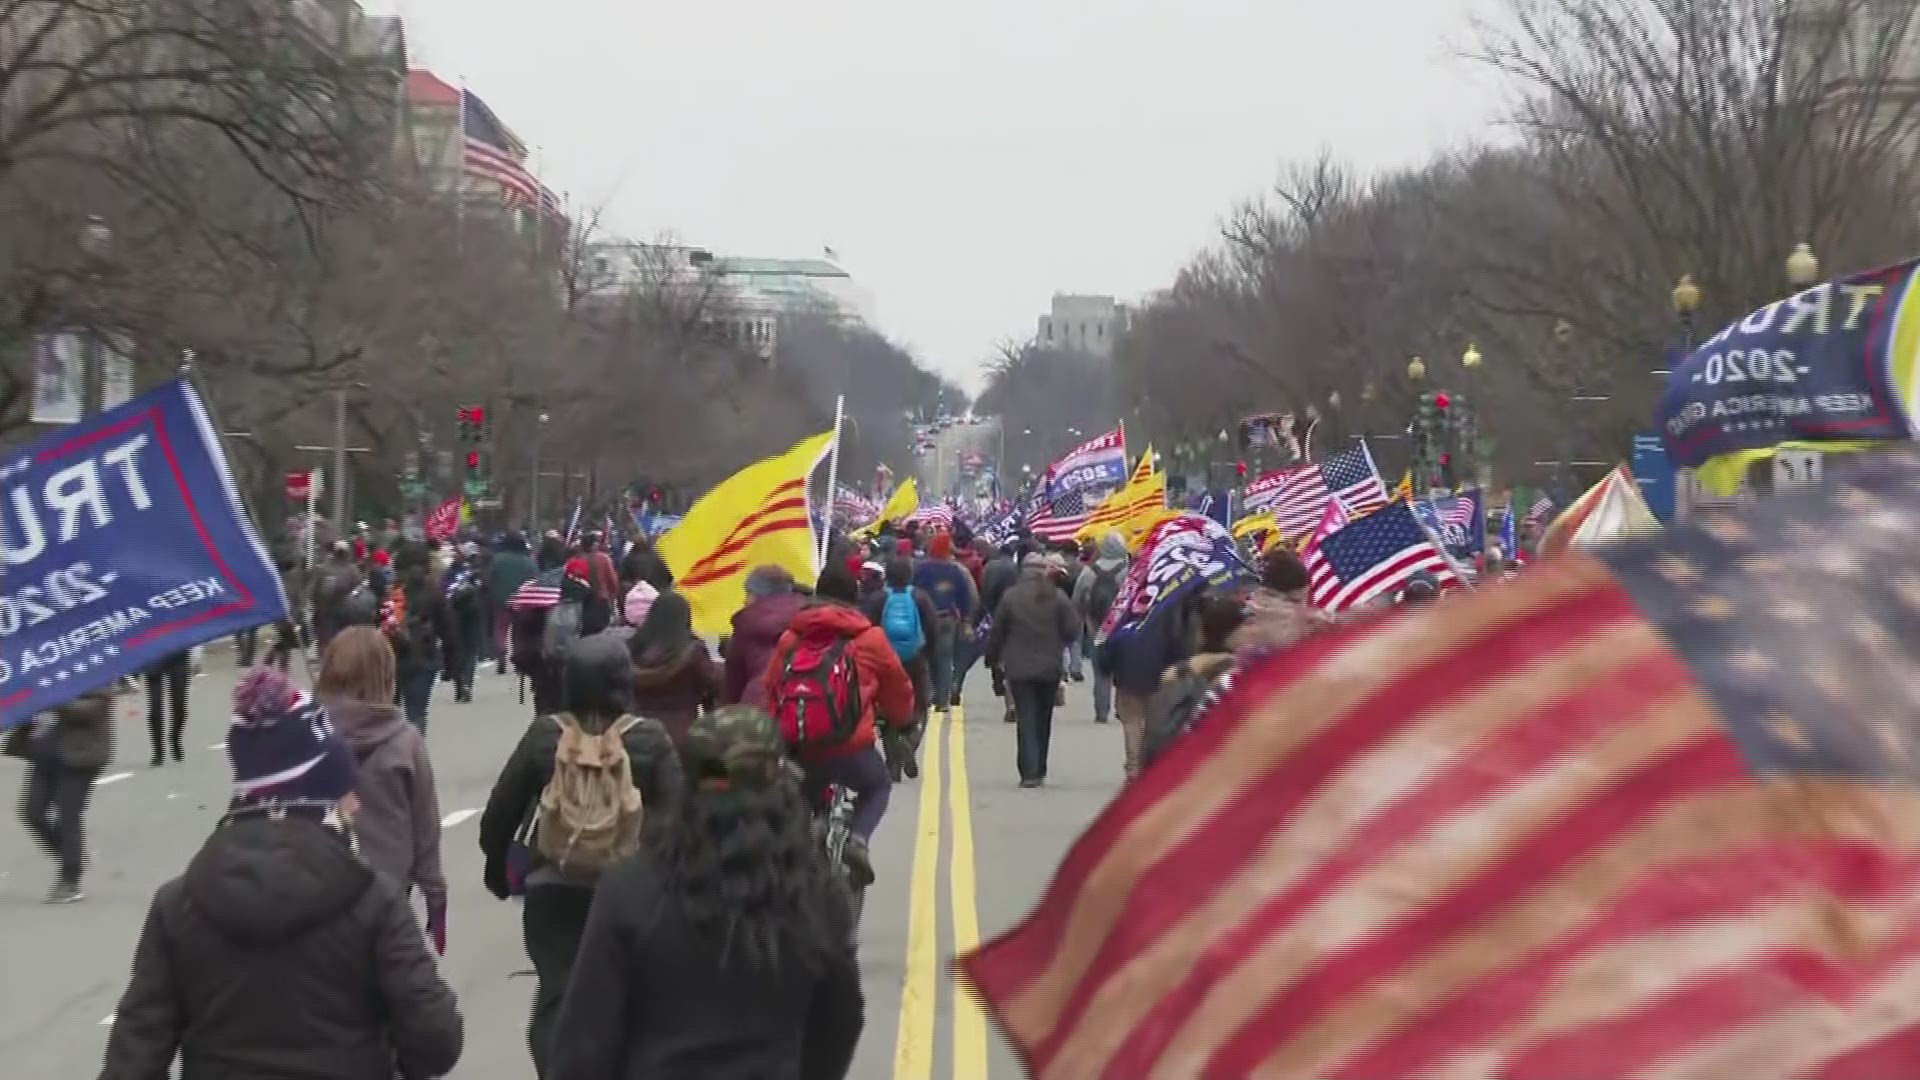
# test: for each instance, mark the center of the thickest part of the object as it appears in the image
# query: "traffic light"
(473, 461)
(473, 424)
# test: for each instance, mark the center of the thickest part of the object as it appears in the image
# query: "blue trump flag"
(1817, 366)
(122, 542)
(1458, 523)
(1181, 556)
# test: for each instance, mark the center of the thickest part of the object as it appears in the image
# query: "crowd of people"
(659, 817)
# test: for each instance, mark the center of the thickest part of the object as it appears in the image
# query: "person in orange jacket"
(885, 696)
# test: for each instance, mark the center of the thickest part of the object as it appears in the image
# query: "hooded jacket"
(278, 954)
(674, 689)
(885, 691)
(81, 735)
(511, 568)
(756, 634)
(1033, 625)
(1111, 562)
(399, 819)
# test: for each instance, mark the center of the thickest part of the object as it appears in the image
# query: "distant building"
(740, 315)
(1089, 324)
(1863, 54)
(797, 286)
(437, 138)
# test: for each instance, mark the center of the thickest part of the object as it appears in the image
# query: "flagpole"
(833, 479)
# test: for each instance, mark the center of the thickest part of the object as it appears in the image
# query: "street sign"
(486, 504)
(1795, 468)
(303, 484)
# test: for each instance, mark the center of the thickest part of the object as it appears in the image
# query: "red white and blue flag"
(493, 153)
(1300, 496)
(1371, 556)
(1093, 465)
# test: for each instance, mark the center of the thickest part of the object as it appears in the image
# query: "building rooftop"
(777, 267)
(426, 88)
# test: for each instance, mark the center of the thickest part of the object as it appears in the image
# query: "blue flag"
(122, 542)
(1181, 556)
(1817, 366)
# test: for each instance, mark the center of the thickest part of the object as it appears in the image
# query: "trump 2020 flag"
(122, 542)
(1650, 810)
(1180, 555)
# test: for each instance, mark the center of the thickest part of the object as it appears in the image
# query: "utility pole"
(340, 462)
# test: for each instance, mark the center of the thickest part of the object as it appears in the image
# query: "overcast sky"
(966, 161)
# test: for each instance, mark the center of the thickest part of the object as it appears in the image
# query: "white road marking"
(218, 746)
(108, 1022)
(113, 778)
(457, 817)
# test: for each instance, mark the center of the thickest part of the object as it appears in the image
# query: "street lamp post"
(1472, 441)
(539, 432)
(1803, 267)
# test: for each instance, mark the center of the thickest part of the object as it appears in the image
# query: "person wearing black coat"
(599, 687)
(424, 637)
(726, 950)
(279, 953)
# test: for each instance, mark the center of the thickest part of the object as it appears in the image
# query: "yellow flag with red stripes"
(756, 517)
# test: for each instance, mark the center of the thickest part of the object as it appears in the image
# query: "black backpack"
(1174, 708)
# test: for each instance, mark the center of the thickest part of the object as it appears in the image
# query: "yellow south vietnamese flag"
(1129, 510)
(901, 504)
(756, 517)
(1403, 492)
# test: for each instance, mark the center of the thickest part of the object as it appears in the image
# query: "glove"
(494, 877)
(437, 927)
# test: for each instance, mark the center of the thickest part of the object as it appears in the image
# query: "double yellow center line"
(926, 973)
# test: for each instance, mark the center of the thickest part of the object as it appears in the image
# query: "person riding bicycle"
(833, 683)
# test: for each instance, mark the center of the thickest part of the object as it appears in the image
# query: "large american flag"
(1538, 513)
(1647, 812)
(1303, 494)
(493, 153)
(1057, 521)
(1370, 556)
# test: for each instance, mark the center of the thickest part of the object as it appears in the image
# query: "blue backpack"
(901, 620)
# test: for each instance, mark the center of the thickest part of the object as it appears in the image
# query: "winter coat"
(425, 600)
(1033, 625)
(508, 571)
(650, 998)
(656, 773)
(1110, 563)
(886, 694)
(399, 819)
(674, 690)
(949, 585)
(999, 575)
(279, 954)
(81, 735)
(756, 634)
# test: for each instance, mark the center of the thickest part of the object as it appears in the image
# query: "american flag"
(1373, 555)
(1537, 516)
(852, 508)
(1350, 474)
(1320, 575)
(537, 593)
(937, 516)
(493, 153)
(1057, 521)
(1456, 510)
(1646, 812)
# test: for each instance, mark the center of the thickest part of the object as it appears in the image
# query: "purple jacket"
(756, 633)
(399, 821)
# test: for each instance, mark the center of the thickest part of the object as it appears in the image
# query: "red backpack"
(817, 698)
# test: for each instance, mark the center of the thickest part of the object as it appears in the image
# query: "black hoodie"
(278, 954)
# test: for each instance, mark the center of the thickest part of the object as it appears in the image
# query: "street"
(963, 853)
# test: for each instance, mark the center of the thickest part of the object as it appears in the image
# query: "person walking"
(465, 595)
(996, 577)
(772, 602)
(333, 583)
(642, 562)
(1094, 594)
(954, 597)
(420, 627)
(1032, 628)
(598, 682)
(905, 615)
(511, 568)
(726, 951)
(674, 676)
(278, 952)
(398, 823)
(167, 684)
(65, 749)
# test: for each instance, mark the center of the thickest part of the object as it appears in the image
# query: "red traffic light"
(1446, 459)
(1441, 400)
(473, 459)
(1240, 468)
(479, 414)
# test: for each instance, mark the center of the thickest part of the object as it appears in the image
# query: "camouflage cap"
(738, 744)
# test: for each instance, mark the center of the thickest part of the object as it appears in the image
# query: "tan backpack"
(590, 813)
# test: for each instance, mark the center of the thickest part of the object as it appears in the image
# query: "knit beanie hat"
(283, 747)
(941, 546)
(768, 580)
(639, 601)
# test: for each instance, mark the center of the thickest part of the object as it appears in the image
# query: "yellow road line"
(969, 1019)
(913, 1049)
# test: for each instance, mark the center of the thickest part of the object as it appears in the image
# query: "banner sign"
(1653, 472)
(1817, 366)
(122, 542)
(1097, 465)
(1181, 555)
